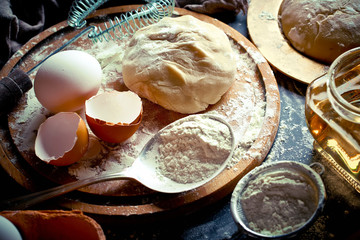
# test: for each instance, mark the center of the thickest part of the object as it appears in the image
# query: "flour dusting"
(244, 110)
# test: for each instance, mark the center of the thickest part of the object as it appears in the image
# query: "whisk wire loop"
(80, 9)
(123, 26)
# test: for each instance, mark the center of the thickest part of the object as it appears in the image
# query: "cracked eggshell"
(62, 139)
(66, 80)
(114, 116)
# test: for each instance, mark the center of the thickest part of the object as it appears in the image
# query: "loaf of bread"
(321, 29)
(183, 64)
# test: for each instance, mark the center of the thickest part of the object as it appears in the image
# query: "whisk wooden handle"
(12, 88)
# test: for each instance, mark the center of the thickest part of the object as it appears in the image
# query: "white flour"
(278, 202)
(193, 150)
(292, 128)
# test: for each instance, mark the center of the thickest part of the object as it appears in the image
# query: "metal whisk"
(124, 25)
(80, 10)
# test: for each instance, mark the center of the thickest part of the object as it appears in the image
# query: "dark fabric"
(21, 20)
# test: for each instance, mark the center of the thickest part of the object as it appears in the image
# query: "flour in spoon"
(193, 150)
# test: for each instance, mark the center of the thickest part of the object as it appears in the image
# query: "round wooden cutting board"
(251, 106)
(266, 33)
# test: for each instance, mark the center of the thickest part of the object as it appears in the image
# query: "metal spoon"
(143, 170)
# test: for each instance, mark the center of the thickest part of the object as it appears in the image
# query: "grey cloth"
(20, 20)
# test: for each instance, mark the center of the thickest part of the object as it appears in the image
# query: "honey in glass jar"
(332, 111)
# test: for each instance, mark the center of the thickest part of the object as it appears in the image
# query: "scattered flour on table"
(293, 141)
(192, 151)
(278, 202)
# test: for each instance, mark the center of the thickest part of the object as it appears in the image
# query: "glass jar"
(332, 111)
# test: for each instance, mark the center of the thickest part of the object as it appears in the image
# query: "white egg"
(8, 231)
(66, 80)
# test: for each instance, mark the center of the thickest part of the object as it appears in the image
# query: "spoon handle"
(37, 197)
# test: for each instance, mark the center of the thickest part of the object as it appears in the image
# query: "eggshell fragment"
(66, 80)
(114, 116)
(62, 139)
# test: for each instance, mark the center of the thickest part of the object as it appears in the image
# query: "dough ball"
(321, 29)
(183, 64)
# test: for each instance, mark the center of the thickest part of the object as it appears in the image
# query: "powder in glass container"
(278, 202)
(193, 150)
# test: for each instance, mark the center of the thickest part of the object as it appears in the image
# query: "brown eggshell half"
(127, 107)
(62, 139)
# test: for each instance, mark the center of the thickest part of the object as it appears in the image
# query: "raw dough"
(321, 29)
(182, 64)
